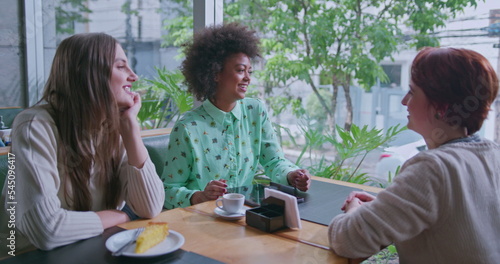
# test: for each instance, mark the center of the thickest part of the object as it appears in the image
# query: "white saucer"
(228, 216)
(172, 242)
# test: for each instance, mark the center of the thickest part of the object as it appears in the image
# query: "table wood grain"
(235, 242)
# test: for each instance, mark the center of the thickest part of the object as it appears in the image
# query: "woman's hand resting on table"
(212, 191)
(300, 178)
(356, 199)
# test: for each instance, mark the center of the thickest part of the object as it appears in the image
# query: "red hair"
(460, 83)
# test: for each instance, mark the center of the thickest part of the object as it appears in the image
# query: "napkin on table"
(292, 216)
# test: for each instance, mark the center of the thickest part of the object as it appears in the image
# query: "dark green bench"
(4, 169)
(157, 149)
(8, 114)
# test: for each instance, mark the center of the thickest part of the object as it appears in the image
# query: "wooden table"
(209, 236)
(235, 242)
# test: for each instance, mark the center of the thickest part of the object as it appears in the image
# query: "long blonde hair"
(86, 115)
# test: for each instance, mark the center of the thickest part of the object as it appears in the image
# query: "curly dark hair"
(207, 52)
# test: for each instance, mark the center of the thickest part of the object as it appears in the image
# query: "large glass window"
(393, 73)
(139, 25)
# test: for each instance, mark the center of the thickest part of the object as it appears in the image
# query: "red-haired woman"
(444, 206)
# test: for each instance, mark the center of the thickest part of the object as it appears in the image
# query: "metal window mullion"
(35, 72)
(207, 13)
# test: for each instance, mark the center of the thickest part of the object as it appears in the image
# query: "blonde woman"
(79, 153)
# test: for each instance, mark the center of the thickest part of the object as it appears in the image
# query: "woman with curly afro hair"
(220, 144)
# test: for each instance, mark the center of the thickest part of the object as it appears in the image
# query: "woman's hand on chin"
(130, 112)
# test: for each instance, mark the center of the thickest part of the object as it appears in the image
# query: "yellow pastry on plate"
(154, 233)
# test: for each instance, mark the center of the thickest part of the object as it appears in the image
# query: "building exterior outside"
(29, 41)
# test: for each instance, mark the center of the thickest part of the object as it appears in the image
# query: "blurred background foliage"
(341, 43)
(164, 99)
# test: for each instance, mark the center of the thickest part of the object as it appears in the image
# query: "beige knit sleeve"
(406, 208)
(39, 215)
(143, 189)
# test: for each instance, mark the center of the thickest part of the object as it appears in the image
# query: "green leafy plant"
(351, 149)
(170, 82)
(68, 12)
(344, 40)
(358, 142)
(385, 256)
(313, 140)
(164, 99)
(390, 179)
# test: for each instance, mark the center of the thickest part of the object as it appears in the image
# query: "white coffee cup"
(231, 202)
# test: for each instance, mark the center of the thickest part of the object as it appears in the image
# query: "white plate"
(230, 216)
(171, 243)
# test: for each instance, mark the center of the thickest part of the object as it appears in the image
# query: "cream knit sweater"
(443, 207)
(43, 216)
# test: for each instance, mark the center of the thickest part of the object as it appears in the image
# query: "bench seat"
(156, 142)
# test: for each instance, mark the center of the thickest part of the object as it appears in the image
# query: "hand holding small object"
(213, 190)
(300, 179)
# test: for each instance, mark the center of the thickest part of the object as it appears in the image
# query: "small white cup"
(231, 202)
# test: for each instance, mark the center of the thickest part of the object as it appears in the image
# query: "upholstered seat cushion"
(157, 149)
(4, 169)
(156, 146)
